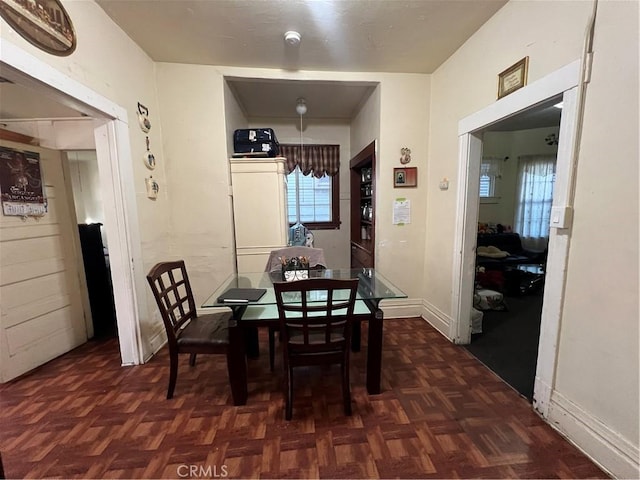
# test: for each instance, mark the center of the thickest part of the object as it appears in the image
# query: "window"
(319, 195)
(487, 185)
(536, 178)
(490, 172)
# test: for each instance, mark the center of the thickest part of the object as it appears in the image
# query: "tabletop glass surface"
(372, 285)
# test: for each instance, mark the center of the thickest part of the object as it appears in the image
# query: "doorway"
(82, 166)
(563, 82)
(516, 189)
(111, 134)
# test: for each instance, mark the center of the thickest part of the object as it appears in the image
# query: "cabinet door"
(363, 207)
(259, 210)
(360, 258)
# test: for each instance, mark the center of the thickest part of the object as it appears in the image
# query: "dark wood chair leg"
(346, 390)
(192, 360)
(272, 348)
(173, 374)
(289, 394)
(237, 363)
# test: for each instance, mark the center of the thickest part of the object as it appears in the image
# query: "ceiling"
(411, 36)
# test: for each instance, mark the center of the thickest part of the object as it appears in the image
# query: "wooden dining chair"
(187, 332)
(274, 264)
(315, 328)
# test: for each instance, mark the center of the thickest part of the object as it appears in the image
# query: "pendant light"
(298, 232)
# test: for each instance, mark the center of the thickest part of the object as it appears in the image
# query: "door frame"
(115, 169)
(566, 82)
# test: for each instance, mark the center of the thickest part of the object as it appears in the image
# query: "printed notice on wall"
(401, 211)
(21, 183)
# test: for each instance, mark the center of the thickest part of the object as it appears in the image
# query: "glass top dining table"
(373, 287)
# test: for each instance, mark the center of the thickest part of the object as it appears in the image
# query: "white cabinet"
(259, 209)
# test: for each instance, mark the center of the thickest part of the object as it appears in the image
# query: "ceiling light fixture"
(301, 106)
(292, 38)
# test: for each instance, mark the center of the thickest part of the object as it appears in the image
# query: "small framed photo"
(513, 78)
(405, 177)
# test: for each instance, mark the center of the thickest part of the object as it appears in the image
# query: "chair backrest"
(315, 255)
(171, 288)
(316, 314)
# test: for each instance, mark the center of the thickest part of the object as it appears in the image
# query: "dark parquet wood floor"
(442, 414)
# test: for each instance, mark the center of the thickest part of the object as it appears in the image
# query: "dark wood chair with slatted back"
(316, 316)
(274, 265)
(187, 332)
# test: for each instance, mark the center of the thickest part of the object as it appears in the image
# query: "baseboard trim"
(157, 341)
(401, 308)
(437, 319)
(613, 453)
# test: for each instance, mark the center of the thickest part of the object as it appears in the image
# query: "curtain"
(316, 159)
(536, 177)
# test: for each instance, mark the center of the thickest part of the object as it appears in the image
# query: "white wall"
(403, 105)
(595, 400)
(85, 180)
(335, 132)
(192, 101)
(234, 116)
(598, 350)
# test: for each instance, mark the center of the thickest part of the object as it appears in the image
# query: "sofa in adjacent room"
(498, 258)
(495, 251)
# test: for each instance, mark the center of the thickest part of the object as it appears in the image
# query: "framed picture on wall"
(405, 177)
(43, 23)
(513, 78)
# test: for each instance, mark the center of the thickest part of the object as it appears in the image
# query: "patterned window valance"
(319, 159)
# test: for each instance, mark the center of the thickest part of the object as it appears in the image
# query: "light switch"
(444, 184)
(561, 217)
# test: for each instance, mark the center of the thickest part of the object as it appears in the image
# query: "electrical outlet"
(444, 184)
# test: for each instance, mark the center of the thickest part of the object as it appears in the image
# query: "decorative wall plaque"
(513, 78)
(43, 23)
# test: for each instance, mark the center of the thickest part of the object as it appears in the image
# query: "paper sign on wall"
(401, 211)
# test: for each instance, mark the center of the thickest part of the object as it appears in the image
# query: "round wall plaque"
(149, 160)
(44, 24)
